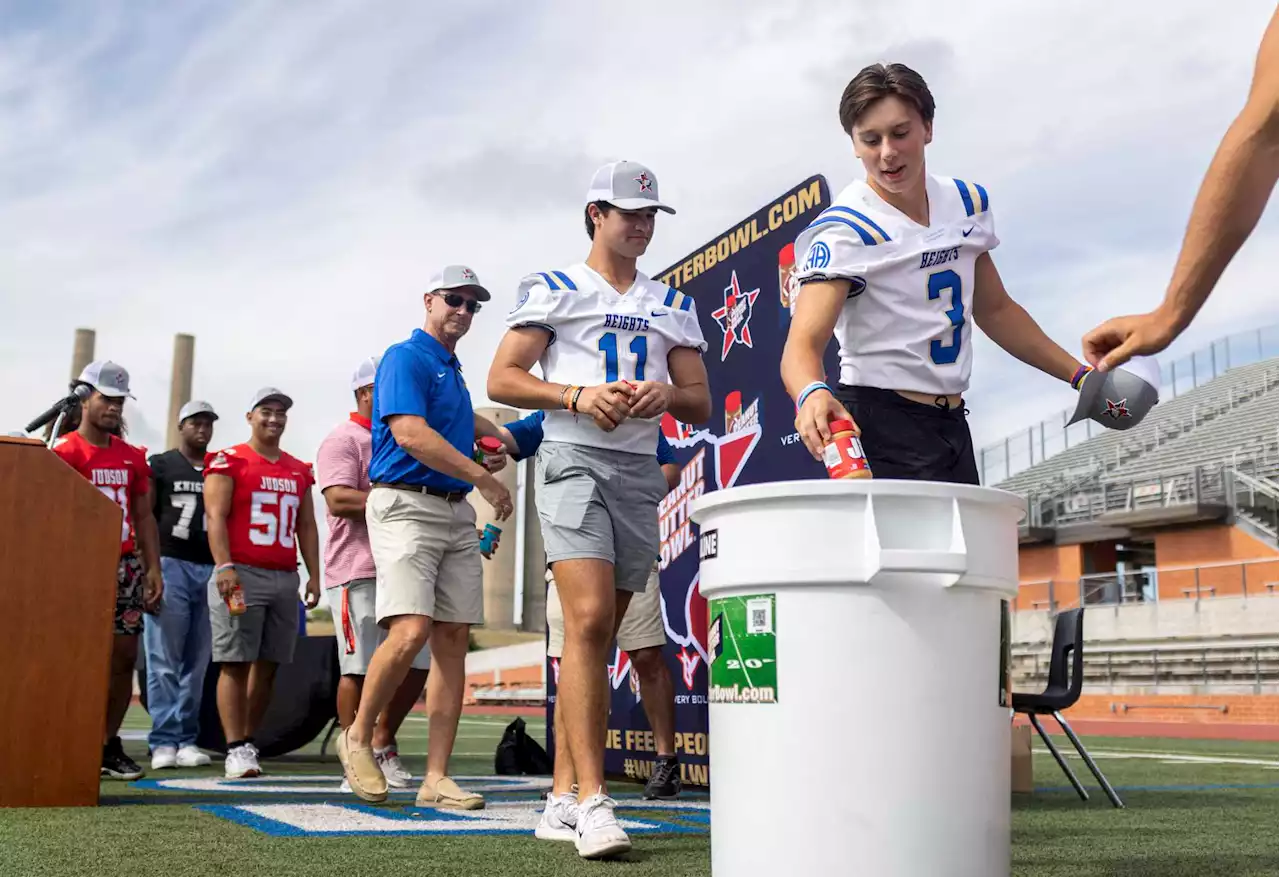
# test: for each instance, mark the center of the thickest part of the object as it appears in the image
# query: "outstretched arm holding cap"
(1235, 190)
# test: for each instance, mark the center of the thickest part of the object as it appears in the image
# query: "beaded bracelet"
(563, 393)
(811, 388)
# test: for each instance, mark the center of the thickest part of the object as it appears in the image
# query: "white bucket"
(886, 751)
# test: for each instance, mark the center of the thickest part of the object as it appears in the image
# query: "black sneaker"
(116, 765)
(665, 781)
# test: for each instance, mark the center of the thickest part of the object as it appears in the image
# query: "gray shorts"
(595, 503)
(268, 629)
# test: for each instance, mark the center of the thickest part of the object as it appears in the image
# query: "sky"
(281, 179)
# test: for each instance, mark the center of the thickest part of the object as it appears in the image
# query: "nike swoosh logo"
(442, 374)
(970, 231)
(658, 313)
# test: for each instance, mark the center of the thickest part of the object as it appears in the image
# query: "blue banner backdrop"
(742, 284)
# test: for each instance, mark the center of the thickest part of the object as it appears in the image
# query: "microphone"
(79, 394)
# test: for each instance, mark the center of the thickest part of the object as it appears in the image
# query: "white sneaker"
(190, 756)
(559, 819)
(164, 756)
(242, 762)
(599, 833)
(345, 788)
(392, 768)
(253, 759)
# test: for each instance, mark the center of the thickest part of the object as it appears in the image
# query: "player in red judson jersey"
(258, 502)
(120, 471)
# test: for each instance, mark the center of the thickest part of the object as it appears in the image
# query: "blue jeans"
(178, 648)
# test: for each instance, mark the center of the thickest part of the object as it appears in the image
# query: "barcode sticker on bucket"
(760, 615)
(744, 665)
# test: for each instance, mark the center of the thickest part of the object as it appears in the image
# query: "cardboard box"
(1021, 778)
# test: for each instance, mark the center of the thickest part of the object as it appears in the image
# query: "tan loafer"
(363, 774)
(445, 793)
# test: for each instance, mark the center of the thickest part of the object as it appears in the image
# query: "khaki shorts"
(641, 627)
(427, 554)
(357, 628)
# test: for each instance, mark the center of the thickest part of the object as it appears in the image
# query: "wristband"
(223, 566)
(563, 393)
(1078, 378)
(574, 404)
(811, 388)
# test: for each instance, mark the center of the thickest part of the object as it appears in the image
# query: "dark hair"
(604, 207)
(876, 82)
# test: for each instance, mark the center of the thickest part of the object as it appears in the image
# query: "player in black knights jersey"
(177, 640)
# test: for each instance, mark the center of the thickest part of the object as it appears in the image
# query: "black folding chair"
(1066, 677)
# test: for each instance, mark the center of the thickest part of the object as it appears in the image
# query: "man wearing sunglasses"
(422, 533)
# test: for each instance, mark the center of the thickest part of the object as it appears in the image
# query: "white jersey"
(907, 321)
(598, 336)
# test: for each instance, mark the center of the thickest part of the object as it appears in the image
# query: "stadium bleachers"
(1229, 421)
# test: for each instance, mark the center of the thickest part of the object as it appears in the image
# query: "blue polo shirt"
(527, 431)
(420, 377)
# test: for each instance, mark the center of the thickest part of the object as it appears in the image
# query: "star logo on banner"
(1116, 410)
(645, 183)
(735, 317)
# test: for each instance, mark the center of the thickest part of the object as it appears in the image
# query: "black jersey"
(179, 508)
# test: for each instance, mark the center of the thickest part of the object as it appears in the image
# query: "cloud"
(280, 184)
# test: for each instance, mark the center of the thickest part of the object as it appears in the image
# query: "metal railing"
(1244, 666)
(1248, 578)
(1024, 449)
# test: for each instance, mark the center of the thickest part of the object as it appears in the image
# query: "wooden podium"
(59, 549)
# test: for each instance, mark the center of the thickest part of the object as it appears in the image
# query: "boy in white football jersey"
(899, 267)
(617, 350)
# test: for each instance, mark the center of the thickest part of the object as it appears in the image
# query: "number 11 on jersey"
(608, 346)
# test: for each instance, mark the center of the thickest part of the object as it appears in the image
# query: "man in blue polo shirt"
(422, 532)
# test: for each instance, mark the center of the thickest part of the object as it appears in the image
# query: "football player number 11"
(273, 518)
(608, 346)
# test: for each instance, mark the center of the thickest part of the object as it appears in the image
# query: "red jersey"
(262, 523)
(119, 470)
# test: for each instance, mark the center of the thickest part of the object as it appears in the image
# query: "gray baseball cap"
(1120, 398)
(627, 185)
(194, 407)
(271, 393)
(107, 378)
(458, 277)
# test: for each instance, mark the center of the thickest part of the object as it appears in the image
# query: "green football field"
(1195, 808)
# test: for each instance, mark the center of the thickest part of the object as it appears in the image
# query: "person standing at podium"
(899, 268)
(258, 502)
(120, 471)
(177, 639)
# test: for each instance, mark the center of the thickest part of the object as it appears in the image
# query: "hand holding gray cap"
(1121, 398)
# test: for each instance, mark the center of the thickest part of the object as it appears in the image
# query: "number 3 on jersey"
(941, 283)
(608, 346)
(269, 524)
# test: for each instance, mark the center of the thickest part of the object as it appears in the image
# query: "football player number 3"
(608, 346)
(273, 518)
(946, 285)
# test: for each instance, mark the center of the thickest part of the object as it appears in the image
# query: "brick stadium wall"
(1208, 544)
(1241, 708)
(1201, 545)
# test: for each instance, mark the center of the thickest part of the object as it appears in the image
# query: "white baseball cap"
(627, 185)
(271, 393)
(194, 407)
(364, 373)
(107, 378)
(457, 277)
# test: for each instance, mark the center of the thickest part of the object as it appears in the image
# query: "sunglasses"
(454, 300)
